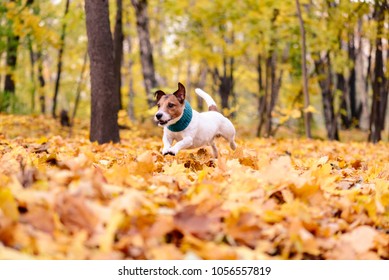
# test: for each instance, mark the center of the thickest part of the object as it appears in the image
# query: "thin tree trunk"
(345, 114)
(131, 91)
(380, 95)
(79, 87)
(146, 51)
(32, 74)
(360, 81)
(307, 115)
(104, 126)
(41, 78)
(118, 50)
(265, 100)
(324, 72)
(272, 96)
(264, 103)
(225, 83)
(352, 83)
(59, 63)
(11, 59)
(261, 91)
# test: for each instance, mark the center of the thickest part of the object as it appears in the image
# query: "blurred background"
(247, 54)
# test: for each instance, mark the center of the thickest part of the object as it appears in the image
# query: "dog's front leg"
(187, 142)
(167, 143)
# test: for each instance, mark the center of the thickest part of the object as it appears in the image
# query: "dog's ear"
(180, 93)
(158, 94)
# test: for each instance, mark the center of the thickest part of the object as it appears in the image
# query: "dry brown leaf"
(74, 213)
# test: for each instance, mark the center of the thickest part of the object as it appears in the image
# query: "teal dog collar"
(184, 121)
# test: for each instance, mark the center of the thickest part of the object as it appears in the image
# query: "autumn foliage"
(63, 197)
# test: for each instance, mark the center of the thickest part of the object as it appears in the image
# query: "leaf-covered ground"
(67, 198)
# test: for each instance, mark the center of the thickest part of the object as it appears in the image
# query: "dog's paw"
(165, 150)
(169, 153)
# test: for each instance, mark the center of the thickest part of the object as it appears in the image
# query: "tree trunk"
(360, 81)
(275, 85)
(380, 95)
(59, 63)
(104, 127)
(11, 59)
(307, 115)
(146, 51)
(270, 68)
(225, 81)
(352, 83)
(273, 94)
(345, 114)
(32, 73)
(262, 99)
(41, 78)
(324, 72)
(118, 50)
(131, 91)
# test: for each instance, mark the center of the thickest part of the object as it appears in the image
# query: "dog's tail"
(210, 102)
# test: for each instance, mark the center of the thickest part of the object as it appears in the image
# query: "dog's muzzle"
(159, 119)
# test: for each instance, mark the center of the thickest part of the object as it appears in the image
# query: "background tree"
(307, 113)
(380, 87)
(59, 61)
(118, 38)
(146, 50)
(104, 107)
(11, 59)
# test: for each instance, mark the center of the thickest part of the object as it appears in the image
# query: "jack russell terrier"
(189, 128)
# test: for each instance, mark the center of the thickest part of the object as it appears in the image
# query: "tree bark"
(307, 115)
(146, 51)
(273, 94)
(361, 79)
(261, 100)
(118, 50)
(41, 78)
(380, 94)
(324, 72)
(345, 114)
(32, 73)
(11, 59)
(104, 127)
(59, 63)
(225, 81)
(352, 83)
(131, 91)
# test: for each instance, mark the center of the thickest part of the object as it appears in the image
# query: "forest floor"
(63, 197)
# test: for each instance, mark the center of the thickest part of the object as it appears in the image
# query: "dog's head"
(170, 106)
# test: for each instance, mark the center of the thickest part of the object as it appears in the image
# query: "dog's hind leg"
(214, 149)
(232, 143)
(229, 135)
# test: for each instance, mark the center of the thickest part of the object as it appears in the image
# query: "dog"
(189, 128)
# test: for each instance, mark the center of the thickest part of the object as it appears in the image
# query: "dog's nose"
(158, 116)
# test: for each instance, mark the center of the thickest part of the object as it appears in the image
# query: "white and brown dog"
(189, 128)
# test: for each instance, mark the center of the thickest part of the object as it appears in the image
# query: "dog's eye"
(158, 105)
(170, 105)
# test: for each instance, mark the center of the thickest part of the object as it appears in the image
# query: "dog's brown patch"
(171, 105)
(213, 108)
